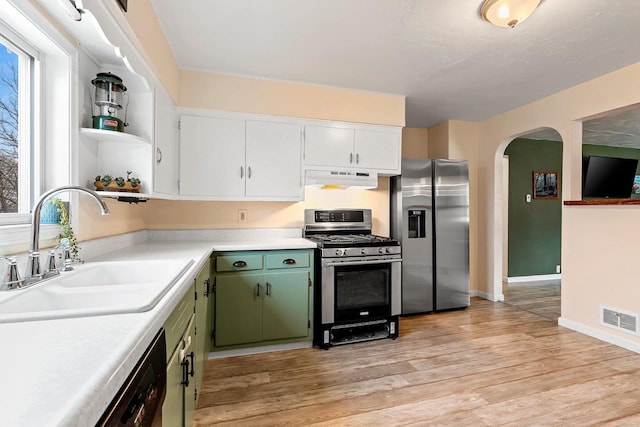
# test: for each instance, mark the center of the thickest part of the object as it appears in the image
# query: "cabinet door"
(165, 140)
(190, 388)
(274, 160)
(286, 305)
(328, 146)
(238, 309)
(172, 408)
(203, 323)
(211, 156)
(378, 150)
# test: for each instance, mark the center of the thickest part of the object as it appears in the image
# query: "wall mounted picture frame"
(546, 184)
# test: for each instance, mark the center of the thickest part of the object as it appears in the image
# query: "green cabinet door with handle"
(204, 323)
(285, 308)
(238, 308)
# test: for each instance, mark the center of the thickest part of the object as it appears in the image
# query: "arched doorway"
(530, 216)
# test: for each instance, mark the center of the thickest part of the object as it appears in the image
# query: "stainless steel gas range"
(358, 278)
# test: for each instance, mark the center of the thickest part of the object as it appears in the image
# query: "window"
(38, 143)
(17, 148)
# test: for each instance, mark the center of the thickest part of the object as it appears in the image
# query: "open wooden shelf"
(602, 202)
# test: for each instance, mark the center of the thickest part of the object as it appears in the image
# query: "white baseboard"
(601, 335)
(258, 350)
(487, 296)
(536, 278)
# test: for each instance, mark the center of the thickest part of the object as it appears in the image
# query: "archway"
(528, 222)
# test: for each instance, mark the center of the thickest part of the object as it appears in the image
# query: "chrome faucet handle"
(66, 258)
(33, 272)
(12, 278)
(52, 267)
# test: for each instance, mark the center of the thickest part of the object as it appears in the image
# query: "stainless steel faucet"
(33, 273)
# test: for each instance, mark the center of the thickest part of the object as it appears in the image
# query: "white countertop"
(65, 372)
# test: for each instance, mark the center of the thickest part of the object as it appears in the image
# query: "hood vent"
(341, 179)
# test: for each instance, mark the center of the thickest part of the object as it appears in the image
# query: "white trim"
(258, 350)
(537, 278)
(601, 335)
(488, 296)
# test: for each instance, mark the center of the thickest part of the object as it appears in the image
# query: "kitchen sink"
(94, 289)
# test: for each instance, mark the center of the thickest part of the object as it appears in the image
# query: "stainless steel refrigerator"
(430, 216)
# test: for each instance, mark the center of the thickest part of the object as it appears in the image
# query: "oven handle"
(378, 261)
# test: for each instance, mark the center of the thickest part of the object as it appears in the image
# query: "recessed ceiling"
(441, 55)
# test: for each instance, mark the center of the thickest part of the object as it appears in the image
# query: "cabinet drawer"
(287, 260)
(177, 322)
(238, 262)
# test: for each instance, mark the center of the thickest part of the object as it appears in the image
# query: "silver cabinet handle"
(249, 172)
(241, 172)
(158, 155)
(357, 158)
(239, 264)
(257, 289)
(268, 289)
(350, 157)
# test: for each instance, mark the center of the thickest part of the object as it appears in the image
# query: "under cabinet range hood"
(341, 179)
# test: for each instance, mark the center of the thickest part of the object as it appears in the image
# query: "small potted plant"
(133, 184)
(67, 236)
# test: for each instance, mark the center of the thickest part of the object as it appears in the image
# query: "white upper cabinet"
(274, 153)
(165, 141)
(357, 147)
(328, 146)
(212, 156)
(228, 158)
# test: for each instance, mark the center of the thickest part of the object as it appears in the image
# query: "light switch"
(528, 198)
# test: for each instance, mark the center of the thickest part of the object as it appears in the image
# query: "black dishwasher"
(138, 403)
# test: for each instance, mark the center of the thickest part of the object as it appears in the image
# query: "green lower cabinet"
(179, 404)
(204, 324)
(238, 309)
(262, 297)
(285, 308)
(172, 408)
(188, 330)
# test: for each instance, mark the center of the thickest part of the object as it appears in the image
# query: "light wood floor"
(492, 364)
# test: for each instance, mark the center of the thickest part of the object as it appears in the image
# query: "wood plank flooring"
(493, 364)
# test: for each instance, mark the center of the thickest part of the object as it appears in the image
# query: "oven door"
(360, 289)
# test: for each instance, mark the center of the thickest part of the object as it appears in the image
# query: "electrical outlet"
(527, 198)
(242, 215)
(558, 268)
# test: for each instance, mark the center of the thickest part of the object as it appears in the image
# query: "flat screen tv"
(608, 177)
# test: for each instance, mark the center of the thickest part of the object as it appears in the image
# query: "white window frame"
(29, 149)
(56, 138)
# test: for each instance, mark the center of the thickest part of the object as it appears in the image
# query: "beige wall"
(124, 218)
(439, 141)
(248, 95)
(145, 25)
(414, 143)
(164, 214)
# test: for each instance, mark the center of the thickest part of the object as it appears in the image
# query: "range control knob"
(339, 252)
(380, 251)
(363, 251)
(388, 250)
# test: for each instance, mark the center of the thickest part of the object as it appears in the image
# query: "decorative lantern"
(109, 96)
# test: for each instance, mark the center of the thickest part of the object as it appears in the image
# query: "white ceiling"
(441, 55)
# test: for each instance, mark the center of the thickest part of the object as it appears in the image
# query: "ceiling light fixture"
(508, 13)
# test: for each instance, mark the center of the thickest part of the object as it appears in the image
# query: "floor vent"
(620, 320)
